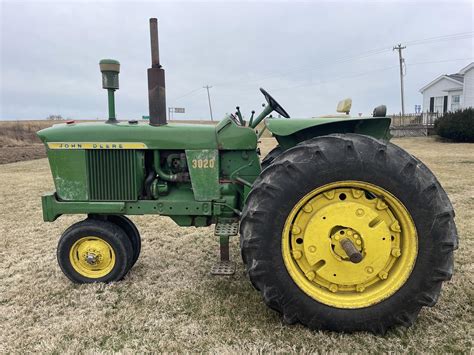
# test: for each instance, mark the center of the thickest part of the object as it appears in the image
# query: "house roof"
(466, 68)
(452, 77)
(457, 78)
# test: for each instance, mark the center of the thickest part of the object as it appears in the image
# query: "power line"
(367, 73)
(337, 79)
(440, 61)
(343, 59)
(357, 75)
(360, 55)
(454, 36)
(187, 94)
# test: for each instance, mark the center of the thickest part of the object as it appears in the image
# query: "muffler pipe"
(156, 81)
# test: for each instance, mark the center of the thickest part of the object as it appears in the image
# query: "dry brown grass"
(170, 302)
(21, 133)
(18, 140)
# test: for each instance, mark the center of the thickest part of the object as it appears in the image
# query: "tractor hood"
(170, 136)
(90, 135)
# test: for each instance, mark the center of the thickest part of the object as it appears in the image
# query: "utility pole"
(207, 87)
(399, 48)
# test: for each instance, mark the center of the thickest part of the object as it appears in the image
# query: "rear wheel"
(94, 251)
(270, 157)
(348, 233)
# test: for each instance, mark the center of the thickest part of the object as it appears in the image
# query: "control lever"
(239, 115)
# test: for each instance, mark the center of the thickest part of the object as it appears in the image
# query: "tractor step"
(223, 268)
(225, 228)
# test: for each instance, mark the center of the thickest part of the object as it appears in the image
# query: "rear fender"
(290, 132)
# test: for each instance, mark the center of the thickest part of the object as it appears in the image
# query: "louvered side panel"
(112, 175)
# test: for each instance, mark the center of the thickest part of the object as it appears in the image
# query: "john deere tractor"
(339, 229)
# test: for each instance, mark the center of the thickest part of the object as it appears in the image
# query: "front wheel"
(132, 233)
(94, 251)
(348, 233)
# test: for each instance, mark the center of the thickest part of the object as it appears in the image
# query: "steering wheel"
(274, 104)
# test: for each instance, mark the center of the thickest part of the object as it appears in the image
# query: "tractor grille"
(112, 175)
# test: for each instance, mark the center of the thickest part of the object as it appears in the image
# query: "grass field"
(169, 302)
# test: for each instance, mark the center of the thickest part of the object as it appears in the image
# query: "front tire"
(320, 191)
(132, 233)
(94, 251)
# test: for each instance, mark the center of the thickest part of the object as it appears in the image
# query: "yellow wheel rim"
(92, 257)
(373, 221)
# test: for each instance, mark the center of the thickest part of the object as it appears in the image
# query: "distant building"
(449, 92)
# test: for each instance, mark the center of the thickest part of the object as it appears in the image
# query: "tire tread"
(323, 151)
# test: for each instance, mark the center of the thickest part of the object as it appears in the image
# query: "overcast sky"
(307, 55)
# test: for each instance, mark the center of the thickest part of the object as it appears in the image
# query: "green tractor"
(339, 229)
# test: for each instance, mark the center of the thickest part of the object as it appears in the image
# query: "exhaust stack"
(156, 81)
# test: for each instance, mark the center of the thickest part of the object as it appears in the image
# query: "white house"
(449, 92)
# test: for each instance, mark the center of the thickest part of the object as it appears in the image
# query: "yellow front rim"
(366, 216)
(92, 257)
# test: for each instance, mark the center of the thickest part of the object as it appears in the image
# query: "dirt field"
(19, 153)
(18, 140)
(170, 302)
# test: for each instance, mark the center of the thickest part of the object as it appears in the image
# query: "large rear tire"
(389, 206)
(270, 157)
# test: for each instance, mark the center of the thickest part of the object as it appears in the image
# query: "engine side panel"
(204, 172)
(69, 171)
